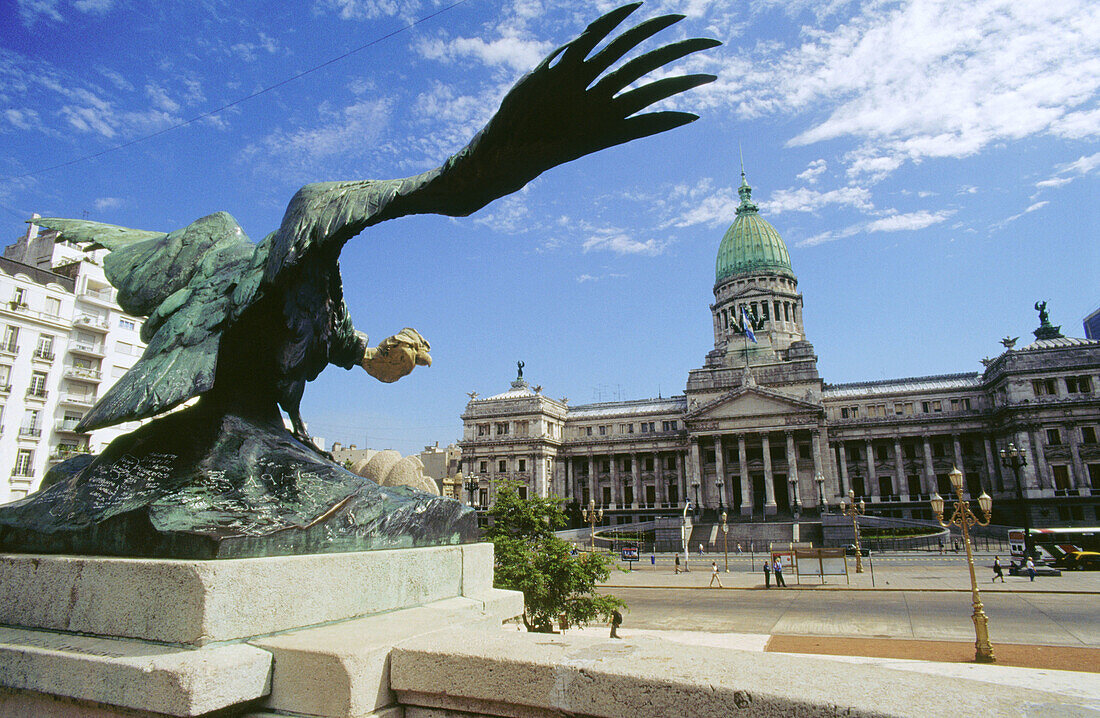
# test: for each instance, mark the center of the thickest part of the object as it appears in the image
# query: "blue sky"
(932, 165)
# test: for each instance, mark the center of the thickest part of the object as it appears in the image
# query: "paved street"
(1037, 618)
(914, 597)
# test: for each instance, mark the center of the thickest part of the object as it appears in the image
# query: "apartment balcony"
(9, 348)
(82, 374)
(37, 394)
(68, 427)
(30, 432)
(93, 350)
(103, 297)
(46, 356)
(24, 310)
(5, 389)
(85, 400)
(86, 321)
(65, 453)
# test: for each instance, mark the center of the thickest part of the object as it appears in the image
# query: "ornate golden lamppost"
(725, 544)
(964, 519)
(591, 515)
(853, 511)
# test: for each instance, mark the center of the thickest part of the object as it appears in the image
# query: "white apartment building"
(64, 342)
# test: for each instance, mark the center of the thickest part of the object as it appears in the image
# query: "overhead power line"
(246, 98)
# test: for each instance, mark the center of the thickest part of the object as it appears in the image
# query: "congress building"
(759, 434)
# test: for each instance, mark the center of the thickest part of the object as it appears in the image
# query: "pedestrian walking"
(1030, 568)
(700, 549)
(714, 575)
(998, 572)
(777, 569)
(677, 569)
(739, 548)
(616, 621)
(939, 542)
(767, 575)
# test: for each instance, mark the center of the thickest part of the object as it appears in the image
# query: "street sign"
(630, 555)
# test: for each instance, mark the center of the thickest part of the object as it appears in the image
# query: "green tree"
(530, 558)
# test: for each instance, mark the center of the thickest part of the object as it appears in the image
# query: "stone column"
(871, 485)
(1030, 475)
(1042, 471)
(636, 475)
(958, 453)
(1080, 478)
(845, 485)
(992, 467)
(616, 487)
(901, 485)
(660, 486)
(720, 469)
(815, 454)
(743, 470)
(769, 480)
(681, 479)
(695, 471)
(538, 475)
(930, 486)
(592, 483)
(792, 470)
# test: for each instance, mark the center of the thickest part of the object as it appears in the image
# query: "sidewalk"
(1065, 670)
(889, 574)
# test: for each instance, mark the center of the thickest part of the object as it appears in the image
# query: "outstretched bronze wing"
(187, 283)
(558, 112)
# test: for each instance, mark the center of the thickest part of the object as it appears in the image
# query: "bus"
(1052, 544)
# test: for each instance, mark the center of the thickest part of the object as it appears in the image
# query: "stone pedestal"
(90, 636)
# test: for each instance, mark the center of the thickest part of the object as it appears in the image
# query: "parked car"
(850, 550)
(1079, 561)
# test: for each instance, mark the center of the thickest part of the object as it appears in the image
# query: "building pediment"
(752, 402)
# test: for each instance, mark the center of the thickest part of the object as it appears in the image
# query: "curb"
(853, 588)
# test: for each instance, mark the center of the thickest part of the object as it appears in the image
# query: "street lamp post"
(822, 507)
(591, 515)
(471, 488)
(683, 534)
(725, 542)
(1013, 458)
(796, 504)
(718, 485)
(964, 519)
(853, 511)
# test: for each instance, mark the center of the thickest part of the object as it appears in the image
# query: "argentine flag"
(746, 325)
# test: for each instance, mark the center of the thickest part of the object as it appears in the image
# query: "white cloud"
(160, 99)
(909, 221)
(813, 171)
(515, 52)
(804, 199)
(366, 9)
(32, 10)
(931, 78)
(107, 203)
(1031, 208)
(896, 222)
(247, 50)
(620, 242)
(96, 7)
(348, 132)
(22, 119)
(1064, 174)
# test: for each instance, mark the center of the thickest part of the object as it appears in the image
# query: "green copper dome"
(751, 244)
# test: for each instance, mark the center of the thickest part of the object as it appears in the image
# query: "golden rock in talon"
(396, 356)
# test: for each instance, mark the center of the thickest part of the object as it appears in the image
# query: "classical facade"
(757, 433)
(65, 342)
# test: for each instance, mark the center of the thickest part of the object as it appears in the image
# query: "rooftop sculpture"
(244, 327)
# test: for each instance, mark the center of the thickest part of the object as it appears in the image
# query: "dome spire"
(744, 191)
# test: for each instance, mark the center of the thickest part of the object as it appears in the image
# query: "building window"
(1054, 437)
(804, 451)
(53, 306)
(668, 426)
(626, 428)
(1078, 385)
(5, 377)
(605, 466)
(881, 453)
(1061, 477)
(502, 466)
(522, 465)
(11, 340)
(19, 298)
(45, 347)
(648, 427)
(23, 460)
(603, 431)
(648, 463)
(588, 431)
(708, 456)
(1088, 434)
(482, 429)
(937, 448)
(502, 428)
(628, 465)
(38, 385)
(670, 463)
(124, 323)
(1044, 387)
